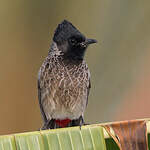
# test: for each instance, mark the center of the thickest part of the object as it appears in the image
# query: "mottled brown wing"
(88, 92)
(40, 102)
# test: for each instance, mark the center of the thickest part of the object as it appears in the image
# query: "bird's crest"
(64, 30)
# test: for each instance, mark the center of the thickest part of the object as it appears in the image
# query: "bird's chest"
(65, 74)
(65, 85)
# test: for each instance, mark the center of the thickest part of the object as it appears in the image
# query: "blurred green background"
(119, 63)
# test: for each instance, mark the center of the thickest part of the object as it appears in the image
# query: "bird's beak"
(90, 41)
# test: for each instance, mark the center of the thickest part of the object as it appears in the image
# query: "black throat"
(75, 54)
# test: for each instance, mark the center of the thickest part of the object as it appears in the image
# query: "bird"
(64, 79)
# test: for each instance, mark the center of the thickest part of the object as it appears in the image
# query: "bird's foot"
(81, 122)
(48, 125)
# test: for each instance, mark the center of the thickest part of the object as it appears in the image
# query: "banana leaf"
(89, 137)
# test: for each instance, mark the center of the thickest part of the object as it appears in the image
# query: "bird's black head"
(71, 41)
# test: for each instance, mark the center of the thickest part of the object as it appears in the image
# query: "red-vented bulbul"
(64, 79)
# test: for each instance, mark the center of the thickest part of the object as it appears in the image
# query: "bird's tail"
(53, 123)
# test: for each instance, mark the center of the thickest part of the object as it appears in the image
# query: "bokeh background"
(119, 63)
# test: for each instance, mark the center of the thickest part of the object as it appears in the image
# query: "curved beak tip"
(91, 41)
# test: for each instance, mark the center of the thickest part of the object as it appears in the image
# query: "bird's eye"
(73, 41)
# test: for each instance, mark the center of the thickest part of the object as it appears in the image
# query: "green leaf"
(111, 145)
(29, 141)
(90, 137)
(7, 143)
(86, 138)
